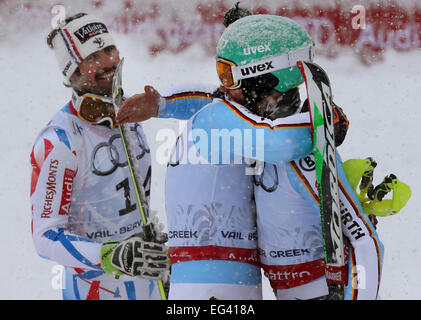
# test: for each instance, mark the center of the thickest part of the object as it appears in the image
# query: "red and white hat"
(78, 39)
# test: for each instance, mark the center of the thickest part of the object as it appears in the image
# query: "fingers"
(150, 247)
(151, 265)
(152, 275)
(151, 96)
(153, 260)
(149, 259)
(139, 107)
(150, 90)
(150, 270)
(128, 109)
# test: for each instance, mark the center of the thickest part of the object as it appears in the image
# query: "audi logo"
(113, 154)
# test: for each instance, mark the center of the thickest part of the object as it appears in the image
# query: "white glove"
(135, 257)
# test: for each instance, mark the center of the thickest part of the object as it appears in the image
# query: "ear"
(223, 89)
(74, 78)
(76, 75)
(67, 84)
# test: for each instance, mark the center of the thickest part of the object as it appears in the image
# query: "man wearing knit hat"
(84, 210)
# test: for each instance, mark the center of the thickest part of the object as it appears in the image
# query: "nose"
(108, 59)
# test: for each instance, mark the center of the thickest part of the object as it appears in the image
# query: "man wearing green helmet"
(252, 56)
(256, 63)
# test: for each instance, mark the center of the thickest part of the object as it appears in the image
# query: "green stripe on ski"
(318, 128)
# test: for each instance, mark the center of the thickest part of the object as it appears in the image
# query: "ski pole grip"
(148, 232)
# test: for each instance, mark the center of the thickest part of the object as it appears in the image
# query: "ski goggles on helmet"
(97, 110)
(231, 74)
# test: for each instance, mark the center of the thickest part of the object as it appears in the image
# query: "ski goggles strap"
(230, 74)
(96, 110)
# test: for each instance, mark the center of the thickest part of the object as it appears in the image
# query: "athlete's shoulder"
(199, 89)
(227, 110)
(65, 116)
(63, 127)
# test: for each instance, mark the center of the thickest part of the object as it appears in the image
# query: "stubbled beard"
(283, 106)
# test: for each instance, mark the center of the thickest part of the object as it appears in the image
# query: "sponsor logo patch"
(99, 42)
(66, 197)
(90, 30)
(67, 67)
(257, 69)
(50, 189)
(256, 49)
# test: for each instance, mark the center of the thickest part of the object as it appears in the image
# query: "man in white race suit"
(84, 210)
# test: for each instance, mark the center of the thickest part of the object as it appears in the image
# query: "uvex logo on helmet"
(90, 30)
(257, 68)
(256, 49)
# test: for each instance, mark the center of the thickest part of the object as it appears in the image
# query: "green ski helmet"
(262, 44)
